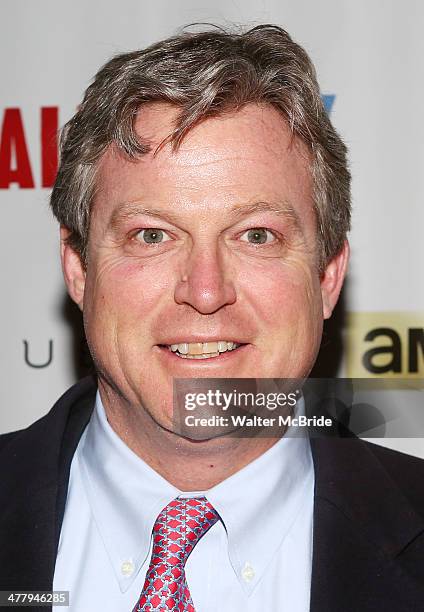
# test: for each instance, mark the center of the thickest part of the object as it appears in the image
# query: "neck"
(187, 464)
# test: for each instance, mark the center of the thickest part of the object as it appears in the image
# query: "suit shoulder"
(394, 459)
(7, 437)
(76, 401)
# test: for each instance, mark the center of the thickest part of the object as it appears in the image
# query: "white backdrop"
(368, 54)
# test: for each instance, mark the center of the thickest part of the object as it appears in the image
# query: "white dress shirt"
(257, 558)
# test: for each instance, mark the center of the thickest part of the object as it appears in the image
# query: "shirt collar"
(260, 503)
(257, 505)
(125, 495)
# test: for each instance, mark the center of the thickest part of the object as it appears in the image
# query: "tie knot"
(179, 527)
(176, 532)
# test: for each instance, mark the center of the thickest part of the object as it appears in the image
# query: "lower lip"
(225, 357)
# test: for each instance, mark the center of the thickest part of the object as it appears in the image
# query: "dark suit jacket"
(368, 545)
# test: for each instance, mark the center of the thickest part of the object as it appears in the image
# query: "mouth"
(202, 350)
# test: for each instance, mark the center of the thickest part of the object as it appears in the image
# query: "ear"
(332, 279)
(73, 269)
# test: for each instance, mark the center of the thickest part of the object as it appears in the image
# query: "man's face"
(213, 243)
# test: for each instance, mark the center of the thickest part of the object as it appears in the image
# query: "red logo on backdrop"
(15, 163)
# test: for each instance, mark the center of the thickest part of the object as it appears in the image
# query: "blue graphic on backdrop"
(328, 100)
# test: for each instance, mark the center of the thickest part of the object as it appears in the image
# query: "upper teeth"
(201, 349)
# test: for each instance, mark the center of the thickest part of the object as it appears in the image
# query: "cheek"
(124, 290)
(286, 297)
(121, 300)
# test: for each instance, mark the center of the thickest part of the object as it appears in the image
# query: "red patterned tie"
(176, 532)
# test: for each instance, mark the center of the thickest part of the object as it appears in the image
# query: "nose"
(206, 282)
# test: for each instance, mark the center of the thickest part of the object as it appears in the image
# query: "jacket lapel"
(363, 526)
(35, 471)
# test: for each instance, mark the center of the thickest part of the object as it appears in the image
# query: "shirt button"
(247, 573)
(127, 568)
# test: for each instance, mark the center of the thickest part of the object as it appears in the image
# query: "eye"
(258, 235)
(152, 235)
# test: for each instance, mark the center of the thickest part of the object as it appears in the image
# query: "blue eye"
(258, 235)
(152, 236)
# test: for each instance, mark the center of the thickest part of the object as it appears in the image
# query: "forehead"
(240, 157)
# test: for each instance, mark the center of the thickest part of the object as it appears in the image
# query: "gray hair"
(204, 74)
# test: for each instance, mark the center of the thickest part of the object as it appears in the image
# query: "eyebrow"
(283, 209)
(129, 210)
